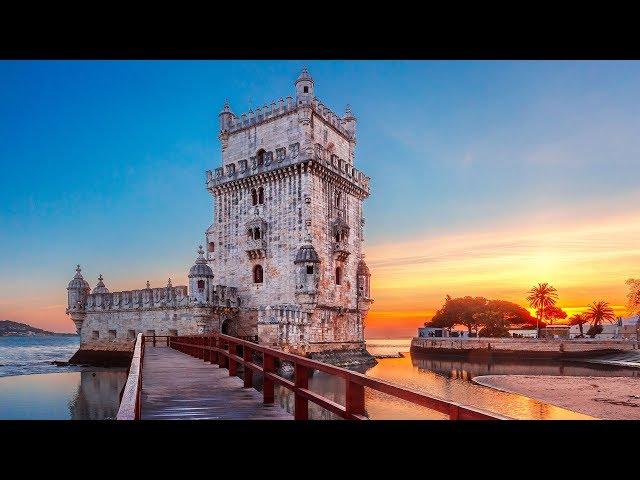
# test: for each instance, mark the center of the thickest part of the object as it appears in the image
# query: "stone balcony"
(256, 249)
(340, 250)
(244, 169)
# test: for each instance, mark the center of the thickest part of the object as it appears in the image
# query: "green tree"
(495, 324)
(458, 311)
(578, 319)
(540, 297)
(513, 313)
(597, 313)
(554, 313)
(633, 301)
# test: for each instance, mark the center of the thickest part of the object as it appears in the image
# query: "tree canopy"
(475, 312)
(551, 313)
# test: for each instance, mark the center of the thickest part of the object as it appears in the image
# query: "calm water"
(29, 391)
(28, 355)
(32, 388)
(450, 379)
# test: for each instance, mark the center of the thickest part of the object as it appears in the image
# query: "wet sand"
(609, 398)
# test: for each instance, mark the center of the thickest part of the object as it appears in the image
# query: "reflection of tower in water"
(98, 396)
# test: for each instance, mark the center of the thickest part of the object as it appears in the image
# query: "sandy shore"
(610, 398)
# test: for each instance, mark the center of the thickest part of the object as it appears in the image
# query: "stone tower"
(288, 223)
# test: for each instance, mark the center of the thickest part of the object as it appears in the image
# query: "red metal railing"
(223, 350)
(156, 340)
(130, 402)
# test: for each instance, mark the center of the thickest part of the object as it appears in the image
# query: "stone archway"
(229, 326)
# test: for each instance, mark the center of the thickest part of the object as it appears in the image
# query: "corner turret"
(304, 88)
(200, 279)
(77, 292)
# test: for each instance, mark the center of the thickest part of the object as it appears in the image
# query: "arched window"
(260, 158)
(257, 274)
(337, 199)
(254, 196)
(261, 196)
(338, 275)
(211, 247)
(309, 269)
(200, 284)
(337, 235)
(256, 233)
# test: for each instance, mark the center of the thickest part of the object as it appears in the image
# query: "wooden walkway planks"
(176, 386)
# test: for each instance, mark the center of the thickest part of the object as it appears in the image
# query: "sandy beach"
(609, 398)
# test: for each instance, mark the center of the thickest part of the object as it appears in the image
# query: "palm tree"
(578, 319)
(540, 297)
(598, 312)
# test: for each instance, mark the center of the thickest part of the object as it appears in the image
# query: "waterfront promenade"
(178, 386)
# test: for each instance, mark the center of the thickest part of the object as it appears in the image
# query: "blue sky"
(103, 161)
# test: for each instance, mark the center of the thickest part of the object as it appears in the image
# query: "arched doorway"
(224, 328)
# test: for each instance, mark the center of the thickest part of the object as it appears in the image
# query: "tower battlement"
(231, 123)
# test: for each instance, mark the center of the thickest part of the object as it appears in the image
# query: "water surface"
(92, 394)
(34, 354)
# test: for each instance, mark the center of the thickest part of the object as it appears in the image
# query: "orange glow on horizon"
(586, 262)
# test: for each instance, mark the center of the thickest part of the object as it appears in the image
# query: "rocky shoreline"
(350, 359)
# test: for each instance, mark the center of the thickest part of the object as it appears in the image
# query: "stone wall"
(522, 347)
(127, 324)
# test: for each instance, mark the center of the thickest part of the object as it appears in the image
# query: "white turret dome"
(201, 269)
(78, 281)
(100, 287)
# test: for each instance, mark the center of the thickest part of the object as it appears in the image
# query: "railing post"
(224, 360)
(214, 344)
(269, 366)
(247, 356)
(233, 365)
(205, 351)
(301, 408)
(354, 398)
(454, 412)
(154, 339)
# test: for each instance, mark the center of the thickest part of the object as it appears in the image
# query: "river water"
(32, 388)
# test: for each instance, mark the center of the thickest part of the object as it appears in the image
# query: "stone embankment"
(103, 355)
(523, 347)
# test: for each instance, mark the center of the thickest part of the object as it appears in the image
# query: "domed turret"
(78, 290)
(201, 269)
(349, 122)
(307, 260)
(364, 279)
(304, 87)
(100, 287)
(200, 279)
(226, 117)
(363, 269)
(78, 280)
(307, 254)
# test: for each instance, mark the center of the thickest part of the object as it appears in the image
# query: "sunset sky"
(487, 177)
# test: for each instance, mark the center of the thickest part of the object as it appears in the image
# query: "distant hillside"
(9, 328)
